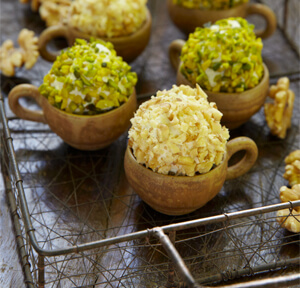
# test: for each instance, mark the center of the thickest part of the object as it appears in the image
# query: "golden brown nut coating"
(108, 18)
(279, 113)
(54, 12)
(290, 218)
(178, 131)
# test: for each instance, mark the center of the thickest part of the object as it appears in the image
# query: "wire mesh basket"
(125, 243)
(78, 222)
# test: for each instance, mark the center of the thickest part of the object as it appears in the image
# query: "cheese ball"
(223, 57)
(88, 78)
(178, 132)
(108, 18)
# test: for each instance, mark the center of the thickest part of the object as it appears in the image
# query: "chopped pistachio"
(236, 54)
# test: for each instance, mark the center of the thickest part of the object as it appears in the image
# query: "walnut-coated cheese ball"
(108, 18)
(178, 132)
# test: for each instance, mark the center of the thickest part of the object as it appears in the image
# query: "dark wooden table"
(76, 197)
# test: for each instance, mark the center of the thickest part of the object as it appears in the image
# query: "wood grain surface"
(11, 274)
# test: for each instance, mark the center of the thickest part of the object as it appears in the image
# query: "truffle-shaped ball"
(178, 132)
(209, 4)
(223, 57)
(88, 78)
(108, 18)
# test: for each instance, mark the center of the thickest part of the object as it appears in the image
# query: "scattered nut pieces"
(290, 194)
(29, 44)
(178, 132)
(54, 12)
(279, 113)
(290, 219)
(11, 57)
(292, 168)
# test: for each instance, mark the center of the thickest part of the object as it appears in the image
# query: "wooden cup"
(178, 195)
(128, 47)
(188, 19)
(79, 131)
(237, 108)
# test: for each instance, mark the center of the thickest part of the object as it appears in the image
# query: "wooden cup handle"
(175, 51)
(49, 34)
(245, 164)
(24, 90)
(266, 13)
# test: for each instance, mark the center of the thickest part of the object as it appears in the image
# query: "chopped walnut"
(29, 44)
(290, 218)
(279, 113)
(11, 57)
(178, 132)
(54, 12)
(290, 194)
(292, 168)
(108, 18)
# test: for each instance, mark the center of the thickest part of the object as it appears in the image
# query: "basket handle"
(268, 15)
(26, 90)
(245, 164)
(49, 34)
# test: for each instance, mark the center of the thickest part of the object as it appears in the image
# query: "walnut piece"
(29, 44)
(54, 12)
(178, 132)
(279, 113)
(290, 218)
(292, 168)
(11, 57)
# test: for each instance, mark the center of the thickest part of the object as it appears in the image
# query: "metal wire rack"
(212, 249)
(79, 224)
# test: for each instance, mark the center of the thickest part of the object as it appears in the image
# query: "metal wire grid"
(138, 255)
(123, 257)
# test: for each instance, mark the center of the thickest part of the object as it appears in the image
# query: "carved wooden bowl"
(79, 131)
(237, 108)
(128, 47)
(178, 195)
(188, 19)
